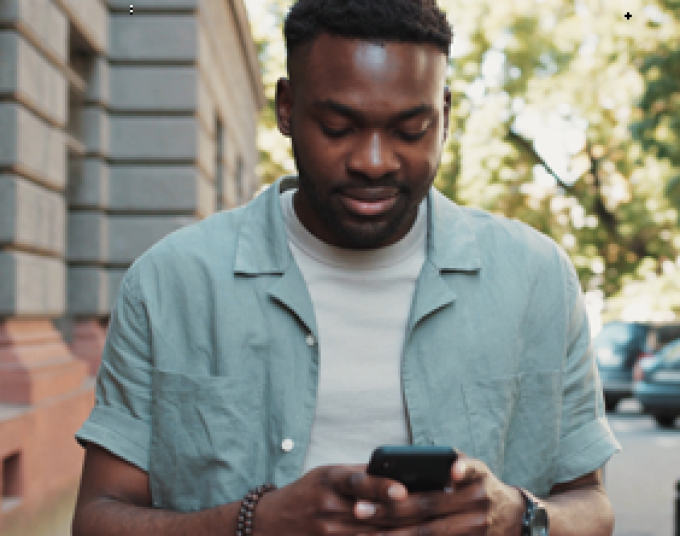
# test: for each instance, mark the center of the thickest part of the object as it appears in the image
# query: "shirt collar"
(263, 242)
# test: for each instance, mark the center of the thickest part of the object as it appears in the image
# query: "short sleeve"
(120, 419)
(586, 440)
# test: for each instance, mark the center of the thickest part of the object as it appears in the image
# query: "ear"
(447, 111)
(284, 106)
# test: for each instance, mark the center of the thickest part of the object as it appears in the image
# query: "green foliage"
(527, 71)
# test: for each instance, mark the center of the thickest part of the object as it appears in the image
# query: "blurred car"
(619, 346)
(657, 384)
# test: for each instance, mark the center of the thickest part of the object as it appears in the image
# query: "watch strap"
(529, 506)
(532, 505)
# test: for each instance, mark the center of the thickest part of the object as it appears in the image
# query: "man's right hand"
(323, 502)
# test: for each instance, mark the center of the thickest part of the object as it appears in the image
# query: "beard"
(328, 210)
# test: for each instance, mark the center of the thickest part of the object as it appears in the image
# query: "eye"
(412, 137)
(422, 125)
(335, 133)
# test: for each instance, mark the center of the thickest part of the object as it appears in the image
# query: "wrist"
(535, 518)
(260, 527)
(519, 507)
(246, 518)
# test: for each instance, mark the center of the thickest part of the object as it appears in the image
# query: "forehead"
(363, 73)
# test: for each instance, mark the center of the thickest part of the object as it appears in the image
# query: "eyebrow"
(345, 110)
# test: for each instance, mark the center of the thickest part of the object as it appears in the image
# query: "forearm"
(580, 512)
(114, 518)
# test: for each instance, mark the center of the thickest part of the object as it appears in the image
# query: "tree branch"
(609, 219)
(529, 148)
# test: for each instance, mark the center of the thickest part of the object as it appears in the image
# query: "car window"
(666, 334)
(671, 352)
(616, 334)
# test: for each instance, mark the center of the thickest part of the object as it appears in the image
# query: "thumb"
(466, 469)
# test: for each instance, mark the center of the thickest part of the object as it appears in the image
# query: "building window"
(11, 481)
(80, 61)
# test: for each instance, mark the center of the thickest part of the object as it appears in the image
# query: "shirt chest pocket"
(205, 440)
(515, 426)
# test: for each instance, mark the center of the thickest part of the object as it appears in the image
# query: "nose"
(374, 157)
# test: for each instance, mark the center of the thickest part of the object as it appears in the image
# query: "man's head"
(365, 106)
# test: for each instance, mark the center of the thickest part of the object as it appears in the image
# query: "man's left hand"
(475, 502)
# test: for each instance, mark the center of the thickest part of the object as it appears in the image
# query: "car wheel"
(610, 403)
(665, 421)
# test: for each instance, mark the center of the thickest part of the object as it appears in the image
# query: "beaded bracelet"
(245, 516)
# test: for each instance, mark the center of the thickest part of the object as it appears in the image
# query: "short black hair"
(406, 21)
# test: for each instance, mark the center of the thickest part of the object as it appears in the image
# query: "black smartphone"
(418, 468)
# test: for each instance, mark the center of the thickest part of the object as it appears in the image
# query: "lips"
(369, 208)
(371, 195)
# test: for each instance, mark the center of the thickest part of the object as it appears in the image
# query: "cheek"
(314, 151)
(423, 162)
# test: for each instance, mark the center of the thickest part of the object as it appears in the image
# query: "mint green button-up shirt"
(208, 380)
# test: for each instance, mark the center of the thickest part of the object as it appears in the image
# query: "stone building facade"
(117, 127)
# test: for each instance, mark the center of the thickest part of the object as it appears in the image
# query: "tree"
(544, 104)
(573, 68)
(266, 18)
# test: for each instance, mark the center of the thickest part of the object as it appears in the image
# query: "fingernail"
(448, 490)
(396, 492)
(365, 509)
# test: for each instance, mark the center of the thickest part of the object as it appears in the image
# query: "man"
(346, 308)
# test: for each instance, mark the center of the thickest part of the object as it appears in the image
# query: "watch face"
(539, 523)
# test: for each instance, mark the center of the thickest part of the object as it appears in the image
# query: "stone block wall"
(115, 130)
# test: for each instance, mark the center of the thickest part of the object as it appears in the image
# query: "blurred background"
(122, 121)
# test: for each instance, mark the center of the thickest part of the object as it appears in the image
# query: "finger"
(422, 506)
(450, 487)
(354, 481)
(416, 508)
(474, 522)
(467, 470)
(419, 507)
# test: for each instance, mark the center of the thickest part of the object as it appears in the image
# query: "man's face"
(363, 116)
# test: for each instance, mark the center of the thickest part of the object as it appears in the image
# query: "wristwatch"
(535, 520)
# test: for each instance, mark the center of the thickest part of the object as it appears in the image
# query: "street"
(640, 480)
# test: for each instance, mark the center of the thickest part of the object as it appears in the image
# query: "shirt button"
(287, 445)
(311, 340)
